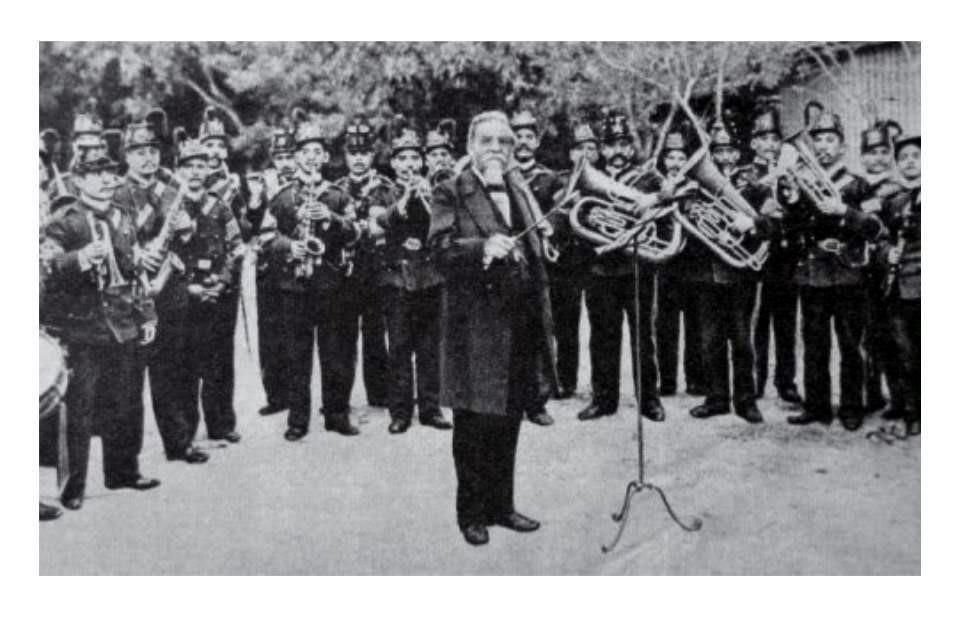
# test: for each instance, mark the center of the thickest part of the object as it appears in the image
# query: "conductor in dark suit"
(496, 322)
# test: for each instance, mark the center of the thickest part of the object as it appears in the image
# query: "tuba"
(721, 218)
(616, 216)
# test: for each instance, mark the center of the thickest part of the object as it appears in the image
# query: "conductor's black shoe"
(437, 421)
(709, 409)
(295, 433)
(541, 418)
(399, 425)
(893, 413)
(190, 455)
(913, 427)
(48, 512)
(231, 436)
(653, 410)
(72, 503)
(139, 483)
(270, 409)
(594, 411)
(564, 393)
(340, 423)
(749, 412)
(791, 395)
(806, 417)
(852, 423)
(517, 522)
(476, 534)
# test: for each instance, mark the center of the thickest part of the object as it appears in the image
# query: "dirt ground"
(774, 499)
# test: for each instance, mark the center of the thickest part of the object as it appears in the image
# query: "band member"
(610, 295)
(901, 255)
(269, 321)
(186, 369)
(876, 156)
(495, 322)
(87, 142)
(413, 287)
(96, 305)
(367, 190)
(779, 295)
(569, 274)
(725, 296)
(544, 183)
(234, 192)
(676, 297)
(307, 234)
(438, 153)
(833, 232)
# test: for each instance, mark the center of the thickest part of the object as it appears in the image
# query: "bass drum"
(53, 375)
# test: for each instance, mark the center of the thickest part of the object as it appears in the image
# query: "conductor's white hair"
(487, 116)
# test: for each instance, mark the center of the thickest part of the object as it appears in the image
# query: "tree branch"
(211, 100)
(720, 68)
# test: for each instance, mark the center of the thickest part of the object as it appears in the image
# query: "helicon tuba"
(721, 218)
(615, 216)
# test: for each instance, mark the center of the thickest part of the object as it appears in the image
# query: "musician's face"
(406, 163)
(98, 185)
(143, 161)
(828, 147)
(618, 153)
(359, 161)
(726, 157)
(492, 144)
(876, 160)
(216, 151)
(908, 161)
(284, 163)
(767, 146)
(585, 149)
(311, 157)
(439, 158)
(673, 161)
(527, 144)
(194, 172)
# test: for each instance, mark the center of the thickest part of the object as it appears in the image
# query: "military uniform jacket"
(74, 306)
(407, 264)
(903, 222)
(833, 248)
(375, 191)
(282, 226)
(784, 253)
(210, 254)
(233, 190)
(147, 202)
(480, 306)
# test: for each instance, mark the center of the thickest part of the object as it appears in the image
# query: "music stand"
(640, 484)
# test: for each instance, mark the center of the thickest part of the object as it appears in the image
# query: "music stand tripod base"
(639, 485)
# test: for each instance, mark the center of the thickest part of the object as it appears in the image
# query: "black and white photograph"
(479, 308)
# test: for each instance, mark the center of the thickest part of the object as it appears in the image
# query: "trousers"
(777, 314)
(674, 296)
(413, 326)
(105, 396)
(270, 340)
(725, 314)
(846, 307)
(365, 320)
(608, 298)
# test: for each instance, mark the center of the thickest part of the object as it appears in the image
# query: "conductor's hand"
(497, 247)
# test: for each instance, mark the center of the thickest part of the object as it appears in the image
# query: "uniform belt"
(832, 245)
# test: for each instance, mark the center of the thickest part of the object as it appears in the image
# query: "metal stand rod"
(640, 484)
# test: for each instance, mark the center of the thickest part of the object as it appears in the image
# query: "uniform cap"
(583, 132)
(437, 139)
(408, 139)
(140, 134)
(212, 125)
(614, 127)
(767, 121)
(523, 120)
(282, 141)
(827, 122)
(874, 137)
(359, 136)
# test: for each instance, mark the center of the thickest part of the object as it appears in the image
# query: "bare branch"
(211, 100)
(718, 101)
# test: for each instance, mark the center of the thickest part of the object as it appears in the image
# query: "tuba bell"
(617, 217)
(721, 218)
(798, 163)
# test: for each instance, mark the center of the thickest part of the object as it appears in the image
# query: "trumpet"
(721, 218)
(107, 272)
(414, 185)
